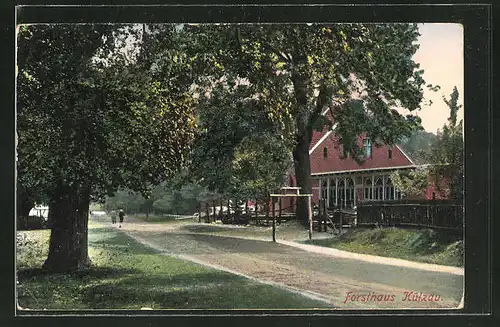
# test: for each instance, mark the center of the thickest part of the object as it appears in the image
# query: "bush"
(31, 222)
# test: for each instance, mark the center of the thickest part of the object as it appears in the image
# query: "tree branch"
(321, 102)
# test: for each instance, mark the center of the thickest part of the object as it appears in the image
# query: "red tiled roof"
(335, 162)
(316, 136)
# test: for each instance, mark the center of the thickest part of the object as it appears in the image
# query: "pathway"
(344, 281)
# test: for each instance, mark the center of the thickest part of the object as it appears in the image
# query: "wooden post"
(280, 204)
(310, 216)
(340, 219)
(274, 220)
(199, 213)
(207, 213)
(325, 216)
(256, 208)
(213, 205)
(266, 207)
(320, 213)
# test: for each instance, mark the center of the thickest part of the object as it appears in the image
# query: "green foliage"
(260, 166)
(90, 116)
(239, 153)
(292, 73)
(447, 154)
(425, 245)
(165, 198)
(417, 144)
(180, 201)
(412, 183)
(297, 70)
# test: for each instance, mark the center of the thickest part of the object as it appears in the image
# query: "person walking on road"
(113, 217)
(121, 214)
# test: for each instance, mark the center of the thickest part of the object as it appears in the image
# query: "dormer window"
(389, 153)
(325, 152)
(367, 147)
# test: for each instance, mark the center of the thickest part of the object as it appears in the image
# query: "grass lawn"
(128, 275)
(426, 245)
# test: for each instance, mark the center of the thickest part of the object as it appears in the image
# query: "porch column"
(336, 190)
(373, 187)
(345, 192)
(354, 191)
(383, 187)
(328, 192)
(319, 189)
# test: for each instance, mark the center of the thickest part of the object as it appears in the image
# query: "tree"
(412, 183)
(240, 153)
(417, 144)
(447, 155)
(92, 119)
(298, 71)
(259, 166)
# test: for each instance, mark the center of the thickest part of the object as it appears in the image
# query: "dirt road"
(342, 282)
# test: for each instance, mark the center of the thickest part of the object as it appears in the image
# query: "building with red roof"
(343, 181)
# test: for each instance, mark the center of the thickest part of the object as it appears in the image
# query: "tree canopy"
(417, 144)
(295, 72)
(92, 119)
(108, 107)
(447, 154)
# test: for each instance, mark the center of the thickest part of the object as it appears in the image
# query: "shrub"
(31, 222)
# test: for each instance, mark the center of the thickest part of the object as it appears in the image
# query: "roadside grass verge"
(159, 219)
(128, 275)
(290, 231)
(422, 245)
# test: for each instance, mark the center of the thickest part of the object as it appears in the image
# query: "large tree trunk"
(301, 162)
(68, 249)
(303, 175)
(305, 119)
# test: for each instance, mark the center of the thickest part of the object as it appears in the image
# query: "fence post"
(274, 220)
(340, 222)
(325, 217)
(309, 216)
(256, 206)
(280, 205)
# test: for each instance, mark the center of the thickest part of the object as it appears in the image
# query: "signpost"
(295, 194)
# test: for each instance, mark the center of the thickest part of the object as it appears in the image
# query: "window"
(340, 192)
(379, 186)
(368, 188)
(389, 153)
(325, 152)
(333, 195)
(389, 190)
(367, 146)
(324, 189)
(350, 192)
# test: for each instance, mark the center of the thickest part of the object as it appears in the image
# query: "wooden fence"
(421, 213)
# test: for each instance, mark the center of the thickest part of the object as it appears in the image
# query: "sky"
(441, 57)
